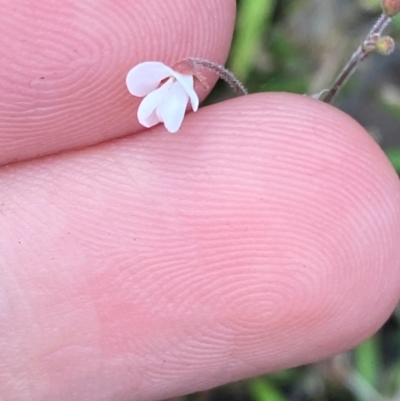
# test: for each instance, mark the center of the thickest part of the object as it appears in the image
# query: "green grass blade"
(367, 361)
(254, 18)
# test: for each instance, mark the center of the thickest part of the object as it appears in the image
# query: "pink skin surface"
(263, 235)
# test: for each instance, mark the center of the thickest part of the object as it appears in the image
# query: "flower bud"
(385, 45)
(391, 7)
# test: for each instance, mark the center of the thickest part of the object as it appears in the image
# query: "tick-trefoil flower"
(166, 94)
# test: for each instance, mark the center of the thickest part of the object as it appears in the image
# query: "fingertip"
(324, 202)
(64, 85)
(338, 183)
(262, 236)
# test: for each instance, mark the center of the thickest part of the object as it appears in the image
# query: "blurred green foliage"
(394, 156)
(367, 361)
(254, 19)
(265, 390)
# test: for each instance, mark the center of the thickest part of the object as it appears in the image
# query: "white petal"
(147, 109)
(187, 82)
(145, 77)
(150, 120)
(172, 108)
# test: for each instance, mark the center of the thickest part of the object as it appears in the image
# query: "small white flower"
(163, 101)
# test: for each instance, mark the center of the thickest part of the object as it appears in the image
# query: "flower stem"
(222, 72)
(364, 50)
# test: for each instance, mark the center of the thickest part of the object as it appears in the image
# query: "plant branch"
(364, 50)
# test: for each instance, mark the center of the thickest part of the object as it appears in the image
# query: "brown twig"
(358, 56)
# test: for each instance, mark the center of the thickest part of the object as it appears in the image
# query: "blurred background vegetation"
(300, 46)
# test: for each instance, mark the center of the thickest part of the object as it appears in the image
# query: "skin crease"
(263, 235)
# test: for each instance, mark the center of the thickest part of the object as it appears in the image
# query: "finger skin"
(62, 84)
(263, 235)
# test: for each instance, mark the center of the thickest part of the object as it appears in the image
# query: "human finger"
(62, 84)
(264, 236)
